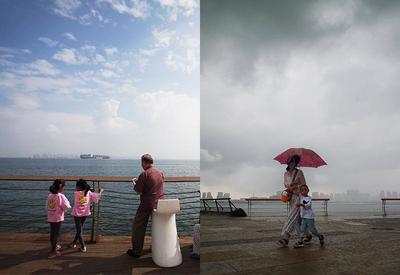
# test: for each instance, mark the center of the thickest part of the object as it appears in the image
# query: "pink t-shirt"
(82, 203)
(56, 204)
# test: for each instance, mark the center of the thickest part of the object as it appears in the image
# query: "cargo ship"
(91, 156)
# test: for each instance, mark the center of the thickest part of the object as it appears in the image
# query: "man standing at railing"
(150, 187)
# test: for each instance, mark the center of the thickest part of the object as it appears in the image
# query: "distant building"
(315, 194)
(209, 195)
(204, 195)
(382, 194)
(220, 195)
(227, 195)
(394, 194)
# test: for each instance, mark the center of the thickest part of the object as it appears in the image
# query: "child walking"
(56, 204)
(82, 199)
(307, 217)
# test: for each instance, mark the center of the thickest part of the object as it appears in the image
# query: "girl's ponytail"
(57, 184)
(83, 186)
(87, 188)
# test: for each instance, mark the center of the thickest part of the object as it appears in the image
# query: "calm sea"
(23, 210)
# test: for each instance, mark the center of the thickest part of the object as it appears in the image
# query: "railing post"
(92, 233)
(98, 215)
(326, 208)
(384, 207)
(230, 206)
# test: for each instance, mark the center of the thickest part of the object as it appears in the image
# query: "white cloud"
(67, 56)
(43, 67)
(25, 102)
(27, 83)
(181, 138)
(111, 51)
(66, 8)
(107, 73)
(15, 51)
(136, 8)
(186, 57)
(176, 7)
(143, 57)
(148, 52)
(38, 67)
(70, 56)
(70, 36)
(48, 41)
(163, 37)
(99, 58)
(88, 48)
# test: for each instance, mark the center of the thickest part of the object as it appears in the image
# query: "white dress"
(292, 224)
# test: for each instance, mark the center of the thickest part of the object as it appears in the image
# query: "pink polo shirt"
(82, 203)
(56, 204)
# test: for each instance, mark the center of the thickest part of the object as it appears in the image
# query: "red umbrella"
(308, 158)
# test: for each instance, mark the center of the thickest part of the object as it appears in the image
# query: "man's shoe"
(130, 253)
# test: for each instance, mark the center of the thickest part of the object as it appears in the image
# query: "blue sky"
(108, 76)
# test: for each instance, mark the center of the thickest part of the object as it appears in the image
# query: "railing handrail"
(215, 199)
(390, 199)
(94, 178)
(273, 199)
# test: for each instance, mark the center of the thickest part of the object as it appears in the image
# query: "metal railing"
(218, 205)
(114, 211)
(251, 200)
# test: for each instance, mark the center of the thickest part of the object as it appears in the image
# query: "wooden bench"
(384, 203)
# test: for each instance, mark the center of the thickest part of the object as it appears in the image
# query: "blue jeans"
(308, 224)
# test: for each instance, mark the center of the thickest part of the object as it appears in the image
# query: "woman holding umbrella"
(293, 179)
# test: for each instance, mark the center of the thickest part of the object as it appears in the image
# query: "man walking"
(150, 186)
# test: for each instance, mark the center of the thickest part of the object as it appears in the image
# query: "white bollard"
(166, 251)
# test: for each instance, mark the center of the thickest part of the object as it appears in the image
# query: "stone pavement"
(248, 246)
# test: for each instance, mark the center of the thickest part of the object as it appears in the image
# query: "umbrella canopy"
(308, 158)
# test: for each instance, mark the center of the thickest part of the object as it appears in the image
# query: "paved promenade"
(27, 254)
(248, 246)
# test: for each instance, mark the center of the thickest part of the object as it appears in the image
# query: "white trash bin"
(166, 251)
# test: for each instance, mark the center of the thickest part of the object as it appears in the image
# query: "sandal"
(307, 239)
(321, 239)
(298, 244)
(283, 242)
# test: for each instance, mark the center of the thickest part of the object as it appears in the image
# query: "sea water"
(23, 210)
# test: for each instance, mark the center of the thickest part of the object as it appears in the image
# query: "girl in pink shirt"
(82, 199)
(56, 204)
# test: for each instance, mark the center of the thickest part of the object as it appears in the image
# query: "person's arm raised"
(138, 184)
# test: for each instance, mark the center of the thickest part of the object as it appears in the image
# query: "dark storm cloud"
(319, 74)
